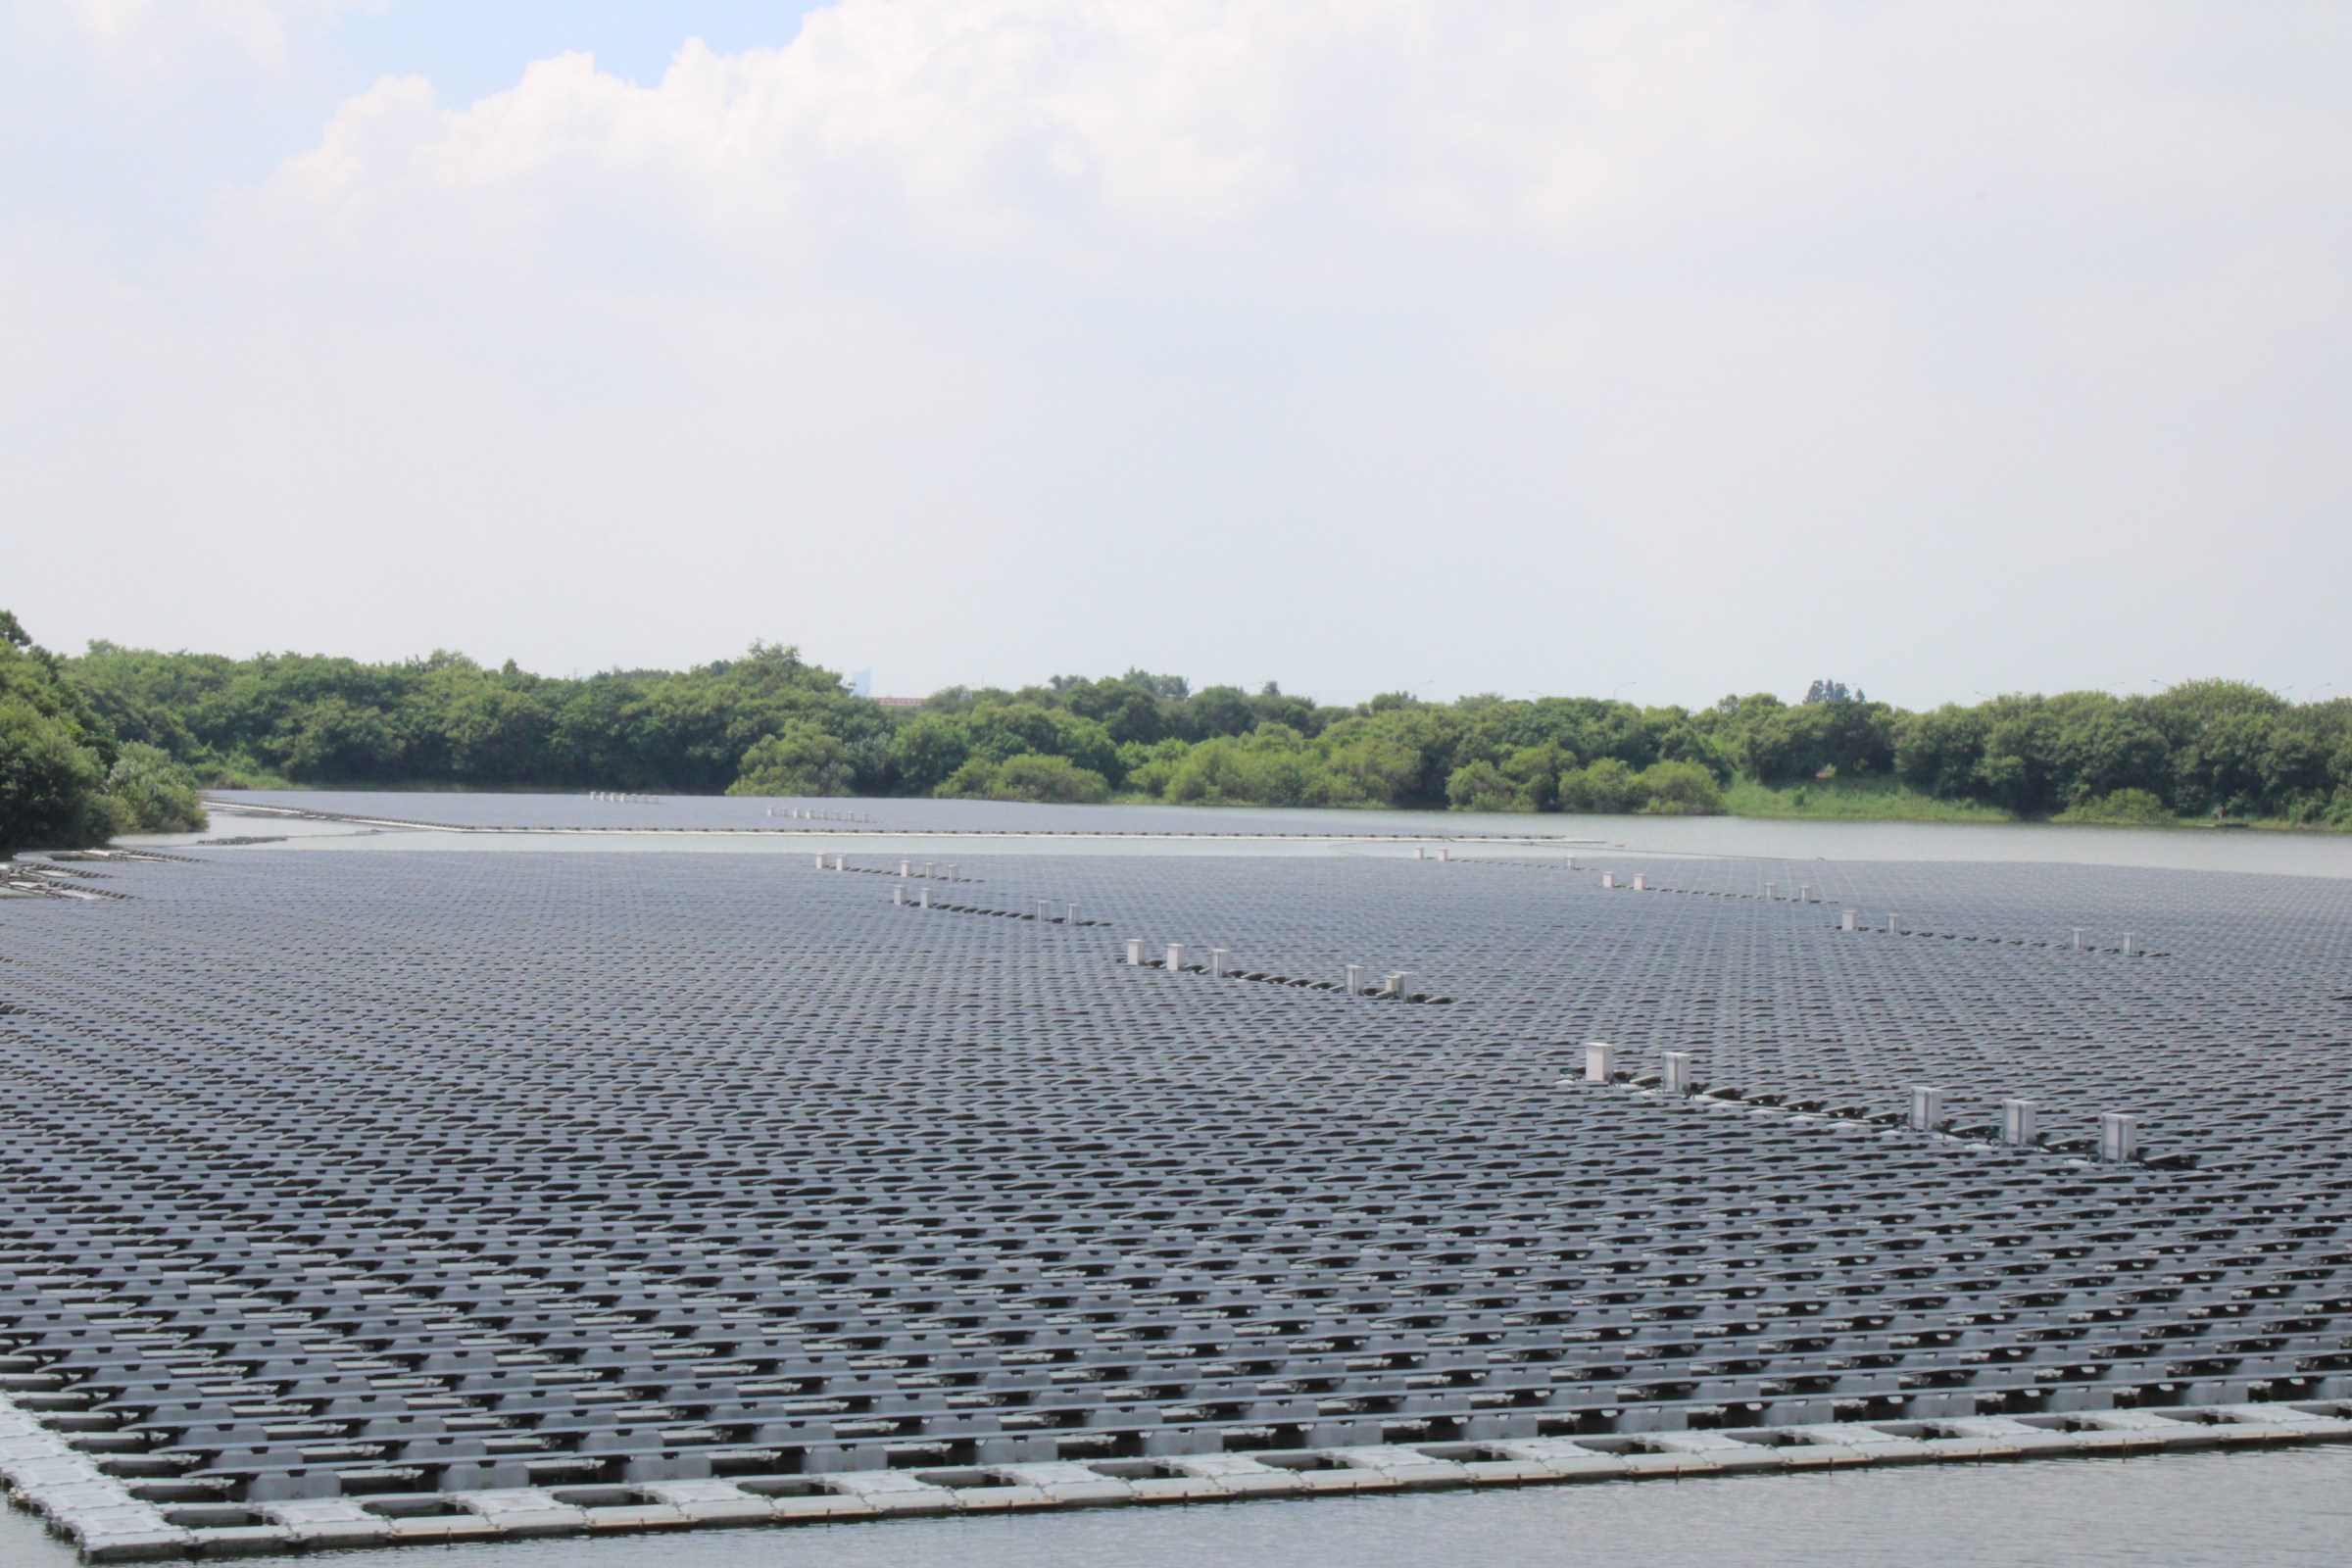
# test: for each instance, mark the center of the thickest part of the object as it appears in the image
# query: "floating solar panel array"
(362, 1196)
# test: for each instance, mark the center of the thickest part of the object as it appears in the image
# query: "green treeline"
(769, 724)
(446, 721)
(67, 778)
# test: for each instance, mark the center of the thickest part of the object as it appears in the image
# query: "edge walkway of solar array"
(112, 1524)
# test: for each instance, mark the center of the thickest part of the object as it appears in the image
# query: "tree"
(52, 790)
(1147, 769)
(1481, 787)
(54, 753)
(1129, 712)
(1936, 752)
(1219, 711)
(1399, 754)
(1679, 788)
(444, 718)
(1607, 788)
(149, 793)
(928, 749)
(1534, 774)
(1853, 738)
(798, 760)
(2101, 746)
(1168, 688)
(1028, 776)
(1272, 765)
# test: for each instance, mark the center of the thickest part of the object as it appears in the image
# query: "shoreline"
(1960, 817)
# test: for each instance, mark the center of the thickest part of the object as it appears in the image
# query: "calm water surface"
(941, 827)
(2290, 1509)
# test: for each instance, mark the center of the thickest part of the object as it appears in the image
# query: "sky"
(1661, 350)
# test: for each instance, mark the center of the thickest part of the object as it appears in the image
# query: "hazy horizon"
(1646, 351)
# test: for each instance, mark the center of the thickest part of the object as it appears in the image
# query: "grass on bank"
(1839, 800)
(1886, 801)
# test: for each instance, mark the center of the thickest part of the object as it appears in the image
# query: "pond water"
(715, 823)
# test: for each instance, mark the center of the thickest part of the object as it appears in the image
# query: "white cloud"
(1076, 128)
(1309, 140)
(970, 125)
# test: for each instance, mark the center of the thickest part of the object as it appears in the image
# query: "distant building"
(900, 702)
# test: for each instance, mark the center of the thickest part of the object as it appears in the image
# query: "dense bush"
(2121, 805)
(1273, 766)
(149, 793)
(1027, 777)
(1662, 789)
(1680, 789)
